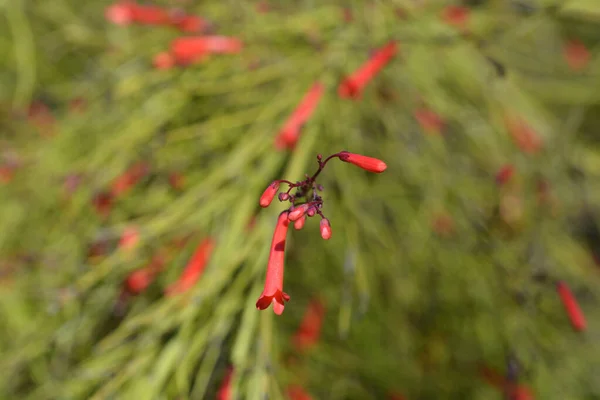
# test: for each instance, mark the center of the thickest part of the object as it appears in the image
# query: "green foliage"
(408, 310)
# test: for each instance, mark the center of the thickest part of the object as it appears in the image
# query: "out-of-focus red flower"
(353, 86)
(505, 174)
(511, 390)
(176, 180)
(139, 280)
(290, 132)
(456, 16)
(224, 392)
(571, 307)
(187, 50)
(273, 290)
(309, 331)
(6, 173)
(194, 269)
(576, 54)
(120, 13)
(129, 239)
(443, 225)
(164, 60)
(103, 202)
(429, 120)
(524, 136)
(129, 178)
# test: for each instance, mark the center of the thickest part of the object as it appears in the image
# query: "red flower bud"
(571, 306)
(299, 223)
(296, 392)
(311, 211)
(367, 163)
(283, 196)
(194, 268)
(120, 14)
(456, 16)
(325, 229)
(273, 291)
(298, 212)
(267, 197)
(353, 86)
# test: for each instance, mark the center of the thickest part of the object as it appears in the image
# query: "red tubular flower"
(189, 23)
(299, 223)
(367, 163)
(194, 268)
(194, 48)
(298, 212)
(150, 15)
(325, 227)
(290, 132)
(310, 328)
(353, 86)
(576, 55)
(129, 178)
(571, 307)
(296, 392)
(505, 174)
(267, 197)
(139, 280)
(273, 290)
(224, 392)
(513, 391)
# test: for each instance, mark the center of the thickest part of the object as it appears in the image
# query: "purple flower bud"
(311, 211)
(283, 196)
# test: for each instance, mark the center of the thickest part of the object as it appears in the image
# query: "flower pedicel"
(305, 202)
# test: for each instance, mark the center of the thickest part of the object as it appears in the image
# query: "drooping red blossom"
(524, 136)
(571, 307)
(430, 121)
(456, 16)
(353, 86)
(367, 163)
(269, 194)
(309, 331)
(164, 60)
(129, 239)
(576, 54)
(224, 392)
(129, 178)
(297, 392)
(290, 132)
(505, 174)
(511, 390)
(187, 50)
(150, 15)
(298, 212)
(299, 223)
(273, 289)
(325, 228)
(194, 268)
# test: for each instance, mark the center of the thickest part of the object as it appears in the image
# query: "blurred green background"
(488, 119)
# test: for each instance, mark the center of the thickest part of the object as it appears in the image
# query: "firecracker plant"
(305, 202)
(136, 138)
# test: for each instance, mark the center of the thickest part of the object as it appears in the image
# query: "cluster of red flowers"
(305, 202)
(183, 51)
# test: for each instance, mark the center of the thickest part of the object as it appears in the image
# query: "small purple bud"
(283, 196)
(319, 157)
(320, 188)
(311, 211)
